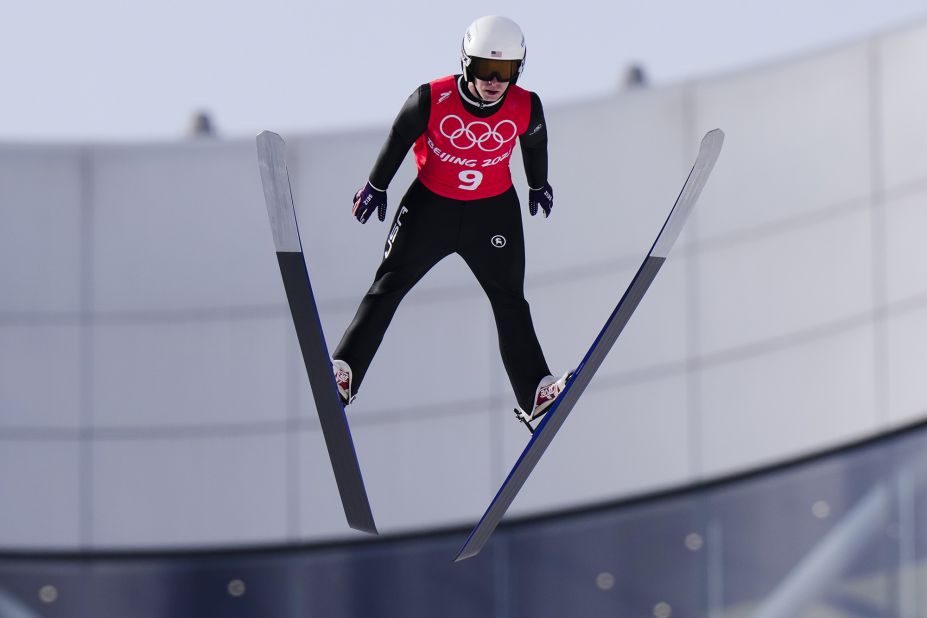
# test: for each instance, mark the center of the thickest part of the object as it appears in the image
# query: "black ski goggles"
(487, 68)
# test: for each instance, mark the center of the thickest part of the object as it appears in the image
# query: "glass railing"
(838, 535)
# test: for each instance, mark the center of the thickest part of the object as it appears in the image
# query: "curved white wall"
(151, 391)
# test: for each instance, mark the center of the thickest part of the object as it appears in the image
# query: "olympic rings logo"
(477, 133)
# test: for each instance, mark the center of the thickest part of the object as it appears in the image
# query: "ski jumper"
(462, 202)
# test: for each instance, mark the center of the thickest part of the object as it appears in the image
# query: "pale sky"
(107, 70)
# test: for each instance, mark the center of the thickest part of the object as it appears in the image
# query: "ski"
(542, 436)
(271, 151)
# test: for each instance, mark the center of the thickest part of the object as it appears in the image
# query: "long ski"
(708, 153)
(282, 213)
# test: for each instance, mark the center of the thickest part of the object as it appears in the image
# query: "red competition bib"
(464, 157)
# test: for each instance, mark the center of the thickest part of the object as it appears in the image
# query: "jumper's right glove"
(367, 200)
(543, 197)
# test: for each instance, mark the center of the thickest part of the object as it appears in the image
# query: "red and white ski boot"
(343, 378)
(547, 392)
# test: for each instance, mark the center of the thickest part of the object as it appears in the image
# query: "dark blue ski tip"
(364, 526)
(465, 555)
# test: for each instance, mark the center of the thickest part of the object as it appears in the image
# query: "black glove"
(368, 199)
(543, 197)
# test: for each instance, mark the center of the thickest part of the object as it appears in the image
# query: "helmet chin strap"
(470, 80)
(475, 91)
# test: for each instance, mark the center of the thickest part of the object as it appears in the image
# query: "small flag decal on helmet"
(495, 54)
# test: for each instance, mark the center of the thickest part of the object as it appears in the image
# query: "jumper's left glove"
(367, 200)
(543, 197)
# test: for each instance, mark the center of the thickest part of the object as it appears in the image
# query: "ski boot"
(547, 392)
(343, 378)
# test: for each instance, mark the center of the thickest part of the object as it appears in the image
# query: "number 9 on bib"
(470, 179)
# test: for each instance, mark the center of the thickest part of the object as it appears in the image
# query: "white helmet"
(493, 46)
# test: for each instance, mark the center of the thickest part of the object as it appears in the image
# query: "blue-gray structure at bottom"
(839, 534)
